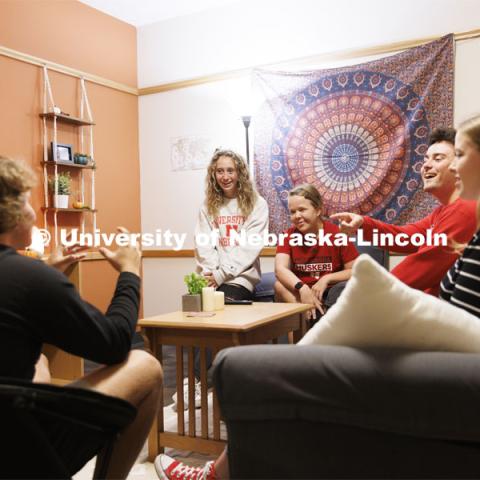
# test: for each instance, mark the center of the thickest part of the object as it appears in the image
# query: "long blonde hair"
(215, 198)
(471, 129)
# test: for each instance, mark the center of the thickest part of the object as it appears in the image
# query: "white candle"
(208, 299)
(219, 300)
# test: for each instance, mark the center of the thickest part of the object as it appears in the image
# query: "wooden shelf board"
(69, 164)
(75, 210)
(66, 119)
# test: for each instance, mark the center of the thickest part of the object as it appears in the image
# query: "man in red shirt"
(425, 266)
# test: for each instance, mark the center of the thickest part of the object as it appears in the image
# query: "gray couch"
(340, 412)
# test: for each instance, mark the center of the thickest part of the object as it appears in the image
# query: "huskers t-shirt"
(309, 263)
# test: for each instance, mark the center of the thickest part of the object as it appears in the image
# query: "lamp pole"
(246, 123)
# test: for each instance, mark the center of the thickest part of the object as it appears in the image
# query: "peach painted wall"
(73, 34)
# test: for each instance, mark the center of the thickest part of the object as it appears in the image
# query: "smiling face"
(303, 215)
(226, 175)
(437, 179)
(466, 167)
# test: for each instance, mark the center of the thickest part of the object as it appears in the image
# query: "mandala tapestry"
(359, 133)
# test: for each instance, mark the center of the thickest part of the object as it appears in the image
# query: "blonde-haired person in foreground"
(39, 305)
(461, 285)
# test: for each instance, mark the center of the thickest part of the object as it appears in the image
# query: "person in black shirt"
(39, 305)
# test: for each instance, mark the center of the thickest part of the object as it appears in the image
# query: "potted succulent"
(60, 189)
(192, 302)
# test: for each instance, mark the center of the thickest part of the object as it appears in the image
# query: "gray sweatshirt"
(231, 263)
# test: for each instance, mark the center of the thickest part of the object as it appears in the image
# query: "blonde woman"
(461, 285)
(231, 205)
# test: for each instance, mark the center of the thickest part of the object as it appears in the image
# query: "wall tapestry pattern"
(358, 133)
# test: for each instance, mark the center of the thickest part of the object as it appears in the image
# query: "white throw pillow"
(378, 310)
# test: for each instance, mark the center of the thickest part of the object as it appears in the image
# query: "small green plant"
(63, 180)
(195, 283)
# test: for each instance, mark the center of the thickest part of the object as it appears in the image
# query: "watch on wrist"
(299, 285)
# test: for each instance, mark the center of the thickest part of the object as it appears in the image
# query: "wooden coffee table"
(236, 325)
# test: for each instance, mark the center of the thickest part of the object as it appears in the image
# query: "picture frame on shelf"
(62, 153)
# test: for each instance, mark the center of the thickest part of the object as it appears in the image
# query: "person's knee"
(148, 367)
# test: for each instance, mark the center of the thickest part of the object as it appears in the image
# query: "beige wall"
(71, 33)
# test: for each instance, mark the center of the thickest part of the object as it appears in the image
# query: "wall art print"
(359, 133)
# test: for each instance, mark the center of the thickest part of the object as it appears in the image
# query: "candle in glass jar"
(208, 299)
(219, 300)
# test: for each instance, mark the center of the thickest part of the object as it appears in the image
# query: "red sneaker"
(168, 468)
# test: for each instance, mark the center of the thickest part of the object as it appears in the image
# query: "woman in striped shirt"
(461, 285)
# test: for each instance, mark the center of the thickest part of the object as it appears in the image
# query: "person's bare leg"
(221, 466)
(283, 294)
(138, 380)
(42, 370)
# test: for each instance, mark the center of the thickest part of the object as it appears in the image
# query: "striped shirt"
(461, 285)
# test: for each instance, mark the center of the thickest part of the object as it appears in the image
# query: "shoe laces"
(186, 472)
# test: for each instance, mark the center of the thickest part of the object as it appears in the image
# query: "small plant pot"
(60, 201)
(191, 303)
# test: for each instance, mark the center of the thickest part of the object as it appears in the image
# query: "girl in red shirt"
(306, 272)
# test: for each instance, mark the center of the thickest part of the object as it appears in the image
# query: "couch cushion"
(265, 287)
(378, 310)
(340, 412)
(429, 394)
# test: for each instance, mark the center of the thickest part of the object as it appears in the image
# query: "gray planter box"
(191, 303)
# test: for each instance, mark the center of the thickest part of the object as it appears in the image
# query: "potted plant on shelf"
(60, 189)
(192, 302)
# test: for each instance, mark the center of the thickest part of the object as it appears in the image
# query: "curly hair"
(16, 179)
(215, 198)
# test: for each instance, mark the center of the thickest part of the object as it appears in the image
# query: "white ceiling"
(142, 12)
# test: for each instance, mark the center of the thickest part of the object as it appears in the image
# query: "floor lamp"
(246, 123)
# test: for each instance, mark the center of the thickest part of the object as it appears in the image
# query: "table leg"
(154, 448)
(204, 392)
(301, 331)
(216, 407)
(191, 392)
(180, 403)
